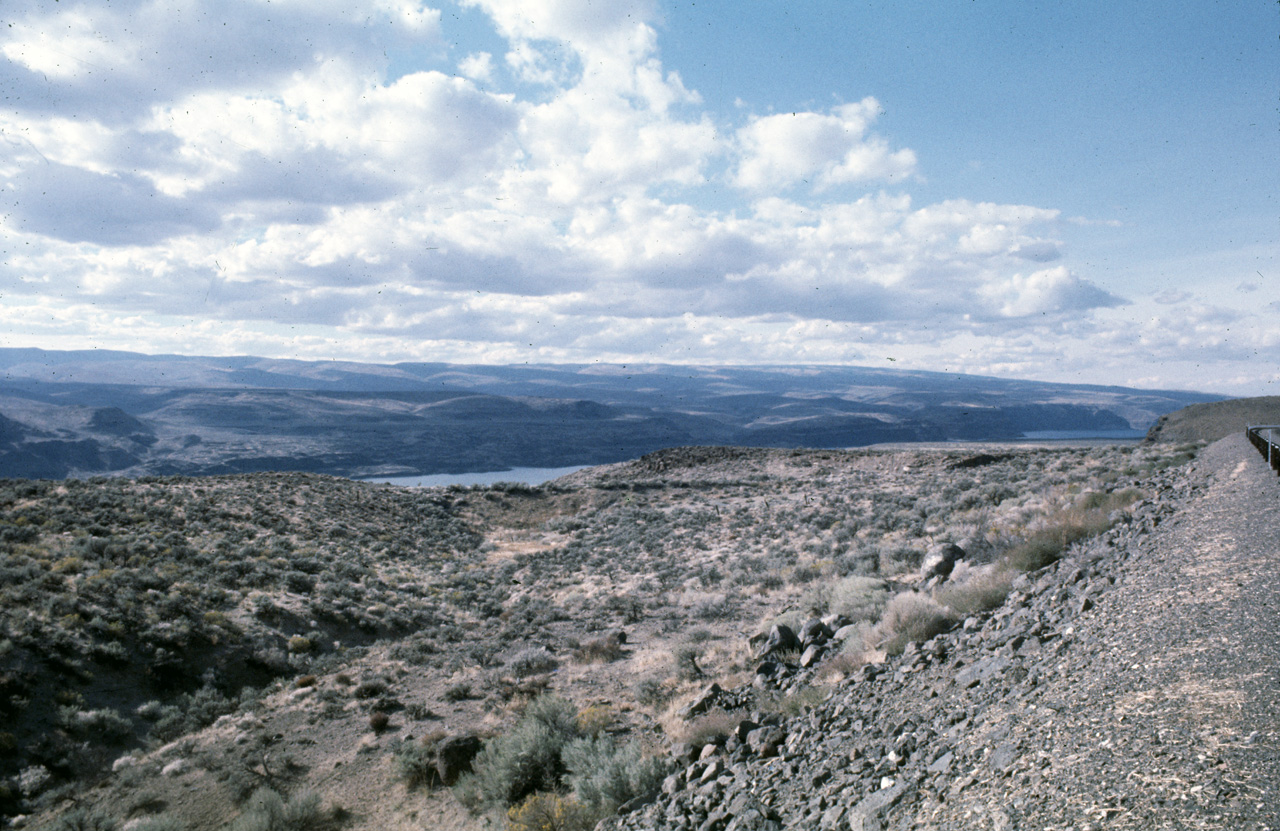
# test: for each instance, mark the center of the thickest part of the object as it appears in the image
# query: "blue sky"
(1079, 192)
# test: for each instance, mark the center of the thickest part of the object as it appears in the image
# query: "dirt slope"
(1212, 421)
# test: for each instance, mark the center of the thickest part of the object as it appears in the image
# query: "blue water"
(524, 475)
(1084, 434)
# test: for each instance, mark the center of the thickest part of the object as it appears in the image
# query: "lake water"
(524, 475)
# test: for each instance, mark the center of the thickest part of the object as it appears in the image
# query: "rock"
(869, 814)
(940, 560)
(812, 655)
(764, 741)
(942, 764)
(1003, 757)
(781, 639)
(814, 631)
(750, 815)
(845, 632)
(454, 755)
(835, 621)
(706, 700)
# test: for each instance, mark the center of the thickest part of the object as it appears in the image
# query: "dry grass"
(977, 590)
(910, 617)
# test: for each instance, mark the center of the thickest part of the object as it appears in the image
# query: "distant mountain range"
(84, 413)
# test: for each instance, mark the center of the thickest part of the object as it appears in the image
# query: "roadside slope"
(1132, 685)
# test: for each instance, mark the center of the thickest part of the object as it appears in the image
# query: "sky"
(1082, 192)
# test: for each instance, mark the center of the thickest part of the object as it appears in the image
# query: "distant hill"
(1213, 420)
(99, 412)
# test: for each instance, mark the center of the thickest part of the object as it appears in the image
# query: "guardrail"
(1268, 446)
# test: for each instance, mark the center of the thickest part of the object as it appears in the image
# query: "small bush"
(686, 663)
(370, 689)
(458, 692)
(524, 760)
(599, 650)
(710, 728)
(910, 617)
(267, 811)
(79, 819)
(605, 776)
(983, 590)
(594, 720)
(858, 597)
(550, 812)
(651, 692)
(379, 721)
(533, 661)
(158, 824)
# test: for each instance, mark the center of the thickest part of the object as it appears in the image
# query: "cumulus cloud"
(779, 151)
(1051, 291)
(284, 182)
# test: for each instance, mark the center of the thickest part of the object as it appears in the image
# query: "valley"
(179, 649)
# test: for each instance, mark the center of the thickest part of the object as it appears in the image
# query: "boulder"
(812, 655)
(707, 700)
(781, 639)
(814, 631)
(454, 755)
(940, 561)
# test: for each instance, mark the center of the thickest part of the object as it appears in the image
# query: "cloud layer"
(261, 176)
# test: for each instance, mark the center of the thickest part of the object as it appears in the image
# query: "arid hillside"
(295, 651)
(1213, 420)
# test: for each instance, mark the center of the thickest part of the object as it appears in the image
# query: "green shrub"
(533, 661)
(457, 692)
(158, 824)
(858, 597)
(686, 662)
(266, 810)
(524, 760)
(79, 819)
(604, 776)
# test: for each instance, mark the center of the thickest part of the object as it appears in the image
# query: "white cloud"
(478, 66)
(1051, 291)
(280, 189)
(779, 151)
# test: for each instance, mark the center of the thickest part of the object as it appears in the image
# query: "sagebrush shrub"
(605, 776)
(858, 597)
(533, 661)
(79, 819)
(266, 810)
(910, 617)
(524, 760)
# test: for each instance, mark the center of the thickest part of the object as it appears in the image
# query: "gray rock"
(705, 701)
(812, 655)
(781, 639)
(869, 814)
(814, 631)
(941, 560)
